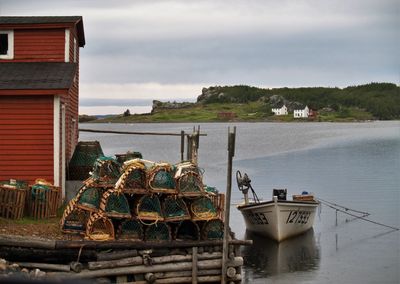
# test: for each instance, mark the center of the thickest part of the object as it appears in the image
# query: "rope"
(340, 206)
(362, 218)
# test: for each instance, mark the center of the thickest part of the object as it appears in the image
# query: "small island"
(374, 101)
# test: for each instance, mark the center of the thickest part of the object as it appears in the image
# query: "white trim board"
(67, 40)
(56, 140)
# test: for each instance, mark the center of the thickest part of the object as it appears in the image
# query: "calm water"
(356, 165)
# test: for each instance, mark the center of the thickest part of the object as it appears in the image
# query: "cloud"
(138, 93)
(170, 49)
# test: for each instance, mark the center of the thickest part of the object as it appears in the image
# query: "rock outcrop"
(158, 105)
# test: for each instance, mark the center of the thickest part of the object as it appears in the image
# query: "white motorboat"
(279, 218)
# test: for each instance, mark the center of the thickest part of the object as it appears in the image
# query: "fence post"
(225, 247)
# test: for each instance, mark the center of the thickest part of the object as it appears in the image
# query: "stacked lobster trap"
(145, 201)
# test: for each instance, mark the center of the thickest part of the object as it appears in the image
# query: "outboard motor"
(280, 193)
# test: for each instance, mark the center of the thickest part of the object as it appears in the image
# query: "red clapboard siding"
(39, 45)
(26, 137)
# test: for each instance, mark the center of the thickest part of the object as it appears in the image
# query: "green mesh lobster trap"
(187, 230)
(74, 220)
(175, 209)
(212, 230)
(189, 179)
(159, 231)
(148, 208)
(114, 204)
(38, 192)
(190, 184)
(161, 179)
(130, 229)
(202, 208)
(88, 198)
(81, 163)
(106, 171)
(44, 200)
(133, 179)
(99, 228)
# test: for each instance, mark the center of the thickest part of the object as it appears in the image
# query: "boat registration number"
(257, 218)
(298, 217)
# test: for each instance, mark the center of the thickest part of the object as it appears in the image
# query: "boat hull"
(279, 219)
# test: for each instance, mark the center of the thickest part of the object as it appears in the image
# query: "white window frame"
(10, 51)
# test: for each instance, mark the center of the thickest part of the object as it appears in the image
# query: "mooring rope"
(358, 217)
(341, 206)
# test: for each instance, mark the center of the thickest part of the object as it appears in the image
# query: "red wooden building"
(39, 93)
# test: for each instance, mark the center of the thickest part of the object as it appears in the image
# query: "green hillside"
(244, 103)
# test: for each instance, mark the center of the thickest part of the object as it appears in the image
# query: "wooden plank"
(46, 266)
(24, 160)
(194, 266)
(33, 121)
(144, 245)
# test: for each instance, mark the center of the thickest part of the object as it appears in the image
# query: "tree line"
(382, 100)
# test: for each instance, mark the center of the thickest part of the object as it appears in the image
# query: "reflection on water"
(267, 257)
(353, 164)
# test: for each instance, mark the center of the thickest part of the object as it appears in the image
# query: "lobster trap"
(175, 209)
(130, 229)
(106, 171)
(161, 179)
(148, 208)
(202, 208)
(81, 163)
(159, 231)
(121, 158)
(44, 200)
(114, 204)
(88, 198)
(99, 228)
(133, 179)
(190, 184)
(74, 219)
(12, 199)
(187, 230)
(212, 230)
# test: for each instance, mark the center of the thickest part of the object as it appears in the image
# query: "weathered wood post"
(189, 147)
(225, 247)
(182, 145)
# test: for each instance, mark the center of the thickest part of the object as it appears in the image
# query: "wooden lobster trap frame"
(114, 204)
(99, 228)
(148, 208)
(134, 179)
(159, 231)
(44, 202)
(174, 209)
(130, 229)
(161, 179)
(203, 208)
(74, 219)
(12, 202)
(190, 184)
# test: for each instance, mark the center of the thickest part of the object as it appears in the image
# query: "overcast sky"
(144, 50)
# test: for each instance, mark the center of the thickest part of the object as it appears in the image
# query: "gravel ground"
(48, 229)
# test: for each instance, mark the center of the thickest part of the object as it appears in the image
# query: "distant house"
(301, 112)
(312, 114)
(226, 115)
(39, 94)
(279, 109)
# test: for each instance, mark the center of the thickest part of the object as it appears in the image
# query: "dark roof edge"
(37, 20)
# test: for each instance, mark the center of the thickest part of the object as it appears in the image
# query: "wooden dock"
(126, 261)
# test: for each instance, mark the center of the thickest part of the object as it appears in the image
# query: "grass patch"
(252, 111)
